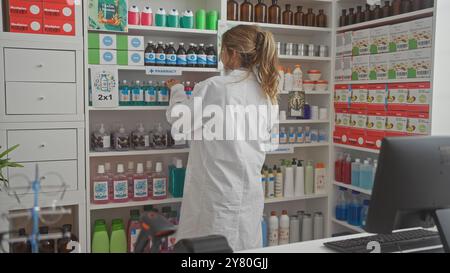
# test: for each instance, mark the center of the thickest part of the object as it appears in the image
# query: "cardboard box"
(348, 43)
(131, 43)
(398, 65)
(421, 33)
(379, 40)
(348, 62)
(375, 131)
(398, 97)
(108, 15)
(23, 24)
(342, 126)
(358, 128)
(339, 69)
(58, 27)
(359, 96)
(23, 8)
(419, 97)
(339, 44)
(130, 57)
(342, 96)
(377, 97)
(396, 122)
(418, 124)
(360, 68)
(102, 41)
(102, 56)
(361, 42)
(59, 11)
(399, 37)
(379, 66)
(420, 64)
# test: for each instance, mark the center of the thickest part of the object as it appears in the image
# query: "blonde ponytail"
(258, 51)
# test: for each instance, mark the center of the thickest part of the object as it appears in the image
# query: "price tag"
(104, 84)
(163, 71)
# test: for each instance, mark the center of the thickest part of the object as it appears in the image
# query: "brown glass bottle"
(426, 4)
(246, 11)
(406, 6)
(288, 16)
(386, 10)
(359, 16)
(21, 247)
(62, 243)
(232, 10)
(396, 7)
(261, 12)
(416, 5)
(310, 18)
(299, 17)
(367, 14)
(274, 13)
(343, 20)
(351, 16)
(321, 19)
(46, 246)
(377, 12)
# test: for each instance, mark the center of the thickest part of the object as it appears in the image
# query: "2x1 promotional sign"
(104, 83)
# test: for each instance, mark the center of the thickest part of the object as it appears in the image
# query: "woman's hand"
(170, 83)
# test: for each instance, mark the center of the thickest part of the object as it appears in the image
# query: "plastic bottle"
(347, 167)
(354, 210)
(374, 172)
(274, 13)
(201, 56)
(129, 174)
(338, 168)
(273, 229)
(140, 138)
(140, 184)
(320, 179)
(46, 245)
(137, 94)
(173, 18)
(365, 177)
(306, 111)
(300, 135)
(118, 242)
(171, 55)
(121, 139)
(176, 179)
(200, 19)
(147, 16)
(159, 137)
(108, 170)
(149, 94)
(292, 138)
(101, 139)
(284, 228)
(100, 237)
(246, 11)
(307, 227)
(355, 172)
(188, 89)
(364, 213)
(181, 56)
(341, 205)
(191, 56)
(294, 227)
(133, 230)
(120, 185)
(288, 80)
(124, 94)
(161, 18)
(159, 183)
(261, 15)
(133, 15)
(299, 187)
(264, 231)
(299, 16)
(289, 179)
(100, 187)
(232, 10)
(283, 136)
(21, 247)
(163, 94)
(298, 78)
(309, 178)
(187, 20)
(307, 134)
(279, 179)
(271, 186)
(160, 55)
(280, 79)
(62, 242)
(211, 57)
(288, 16)
(318, 223)
(263, 182)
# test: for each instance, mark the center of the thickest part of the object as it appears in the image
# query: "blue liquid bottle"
(341, 205)
(364, 213)
(354, 210)
(356, 166)
(365, 177)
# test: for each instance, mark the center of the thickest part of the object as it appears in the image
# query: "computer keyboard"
(395, 242)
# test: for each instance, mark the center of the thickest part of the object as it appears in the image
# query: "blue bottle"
(356, 166)
(364, 213)
(341, 205)
(365, 177)
(354, 210)
(176, 178)
(163, 94)
(264, 231)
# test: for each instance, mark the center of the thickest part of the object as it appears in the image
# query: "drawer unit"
(52, 173)
(41, 145)
(27, 98)
(35, 65)
(2, 140)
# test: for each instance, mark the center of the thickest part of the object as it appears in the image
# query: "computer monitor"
(412, 183)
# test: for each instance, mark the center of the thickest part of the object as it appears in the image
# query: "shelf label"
(163, 71)
(282, 150)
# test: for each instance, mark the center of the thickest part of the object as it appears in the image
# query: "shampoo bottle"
(279, 182)
(289, 180)
(100, 238)
(118, 242)
(320, 182)
(273, 229)
(271, 184)
(299, 179)
(309, 178)
(284, 229)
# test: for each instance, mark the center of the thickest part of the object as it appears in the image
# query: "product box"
(102, 56)
(339, 44)
(58, 27)
(359, 96)
(358, 124)
(360, 68)
(102, 41)
(396, 122)
(347, 68)
(108, 15)
(342, 126)
(342, 96)
(379, 40)
(361, 42)
(419, 97)
(420, 64)
(24, 8)
(418, 124)
(399, 37)
(379, 65)
(128, 42)
(348, 43)
(125, 57)
(421, 33)
(24, 24)
(59, 10)
(339, 69)
(375, 131)
(377, 97)
(398, 65)
(398, 97)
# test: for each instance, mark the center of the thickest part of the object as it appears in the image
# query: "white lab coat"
(222, 191)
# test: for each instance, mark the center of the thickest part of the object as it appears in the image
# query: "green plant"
(5, 162)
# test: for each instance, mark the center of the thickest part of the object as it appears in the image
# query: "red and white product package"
(342, 126)
(25, 8)
(59, 11)
(418, 124)
(59, 27)
(375, 131)
(377, 97)
(358, 125)
(25, 25)
(359, 97)
(396, 122)
(341, 96)
(419, 97)
(398, 96)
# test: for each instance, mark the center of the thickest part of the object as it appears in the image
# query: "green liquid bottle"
(118, 243)
(176, 179)
(100, 238)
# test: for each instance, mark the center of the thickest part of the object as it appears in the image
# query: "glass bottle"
(232, 10)
(261, 12)
(396, 7)
(274, 13)
(288, 16)
(367, 14)
(351, 16)
(386, 11)
(406, 6)
(310, 18)
(62, 243)
(359, 17)
(321, 19)
(416, 5)
(46, 246)
(299, 16)
(377, 12)
(426, 4)
(246, 11)
(343, 20)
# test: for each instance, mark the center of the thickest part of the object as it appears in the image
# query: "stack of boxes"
(112, 49)
(54, 17)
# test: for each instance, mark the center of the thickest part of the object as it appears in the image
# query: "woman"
(223, 193)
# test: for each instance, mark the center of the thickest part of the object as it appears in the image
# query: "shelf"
(297, 198)
(286, 29)
(136, 153)
(360, 149)
(134, 204)
(303, 121)
(182, 69)
(304, 58)
(169, 31)
(383, 81)
(310, 93)
(353, 188)
(389, 20)
(53, 41)
(131, 108)
(345, 224)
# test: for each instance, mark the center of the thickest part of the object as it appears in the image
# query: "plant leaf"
(8, 151)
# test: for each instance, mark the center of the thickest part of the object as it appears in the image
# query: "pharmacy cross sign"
(163, 71)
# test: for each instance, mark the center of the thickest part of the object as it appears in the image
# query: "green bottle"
(100, 238)
(200, 19)
(211, 20)
(118, 243)
(176, 179)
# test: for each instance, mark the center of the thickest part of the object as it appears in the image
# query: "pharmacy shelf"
(310, 93)
(383, 81)
(286, 29)
(303, 121)
(305, 145)
(169, 31)
(345, 224)
(137, 153)
(304, 58)
(354, 148)
(353, 188)
(389, 20)
(131, 108)
(134, 204)
(297, 198)
(182, 69)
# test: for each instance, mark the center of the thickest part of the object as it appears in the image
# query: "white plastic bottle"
(280, 79)
(284, 229)
(288, 81)
(270, 184)
(278, 182)
(309, 178)
(298, 78)
(320, 182)
(273, 229)
(299, 187)
(289, 180)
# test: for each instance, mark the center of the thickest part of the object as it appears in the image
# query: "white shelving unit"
(355, 148)
(347, 226)
(353, 188)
